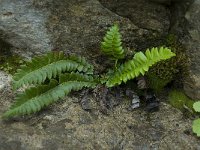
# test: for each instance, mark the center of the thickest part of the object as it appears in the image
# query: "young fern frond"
(138, 65)
(34, 99)
(112, 45)
(49, 66)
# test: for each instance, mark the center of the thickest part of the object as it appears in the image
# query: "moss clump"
(11, 63)
(156, 83)
(179, 100)
(175, 68)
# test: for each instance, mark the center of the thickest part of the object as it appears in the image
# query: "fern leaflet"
(34, 99)
(138, 65)
(111, 45)
(48, 66)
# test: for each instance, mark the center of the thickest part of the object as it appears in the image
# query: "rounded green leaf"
(196, 106)
(196, 127)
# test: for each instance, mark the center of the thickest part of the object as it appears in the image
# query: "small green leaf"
(196, 127)
(196, 106)
(112, 45)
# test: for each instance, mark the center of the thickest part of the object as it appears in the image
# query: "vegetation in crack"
(174, 69)
(50, 77)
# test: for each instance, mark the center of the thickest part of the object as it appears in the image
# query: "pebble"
(5, 79)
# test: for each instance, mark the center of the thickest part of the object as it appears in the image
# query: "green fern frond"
(138, 65)
(75, 77)
(45, 67)
(34, 99)
(86, 67)
(112, 45)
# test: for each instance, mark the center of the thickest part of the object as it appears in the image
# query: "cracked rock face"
(77, 26)
(36, 26)
(23, 26)
(66, 125)
(145, 14)
(5, 80)
(192, 44)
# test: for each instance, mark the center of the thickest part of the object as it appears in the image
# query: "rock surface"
(76, 26)
(5, 80)
(66, 125)
(35, 26)
(192, 44)
(156, 22)
(23, 26)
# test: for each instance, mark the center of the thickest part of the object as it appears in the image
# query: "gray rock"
(70, 127)
(147, 15)
(164, 2)
(23, 26)
(77, 26)
(5, 80)
(192, 44)
(168, 2)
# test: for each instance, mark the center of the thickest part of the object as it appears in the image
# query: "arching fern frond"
(112, 45)
(75, 77)
(49, 66)
(138, 65)
(34, 99)
(86, 67)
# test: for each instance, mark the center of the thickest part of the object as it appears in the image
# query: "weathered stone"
(76, 26)
(156, 22)
(23, 26)
(5, 79)
(66, 125)
(168, 2)
(192, 43)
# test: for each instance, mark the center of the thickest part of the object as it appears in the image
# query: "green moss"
(179, 100)
(11, 63)
(156, 83)
(174, 69)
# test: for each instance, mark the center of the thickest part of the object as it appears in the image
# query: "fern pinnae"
(112, 45)
(48, 66)
(35, 99)
(33, 92)
(88, 68)
(138, 65)
(75, 77)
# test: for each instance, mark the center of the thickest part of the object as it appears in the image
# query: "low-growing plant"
(52, 76)
(196, 122)
(178, 99)
(174, 69)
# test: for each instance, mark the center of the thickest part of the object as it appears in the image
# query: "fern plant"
(62, 74)
(53, 76)
(112, 45)
(49, 66)
(138, 65)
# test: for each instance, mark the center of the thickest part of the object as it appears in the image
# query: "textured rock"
(23, 26)
(66, 125)
(4, 80)
(152, 17)
(192, 44)
(76, 26)
(168, 2)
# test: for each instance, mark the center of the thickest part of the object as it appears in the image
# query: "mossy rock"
(179, 100)
(174, 69)
(11, 63)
